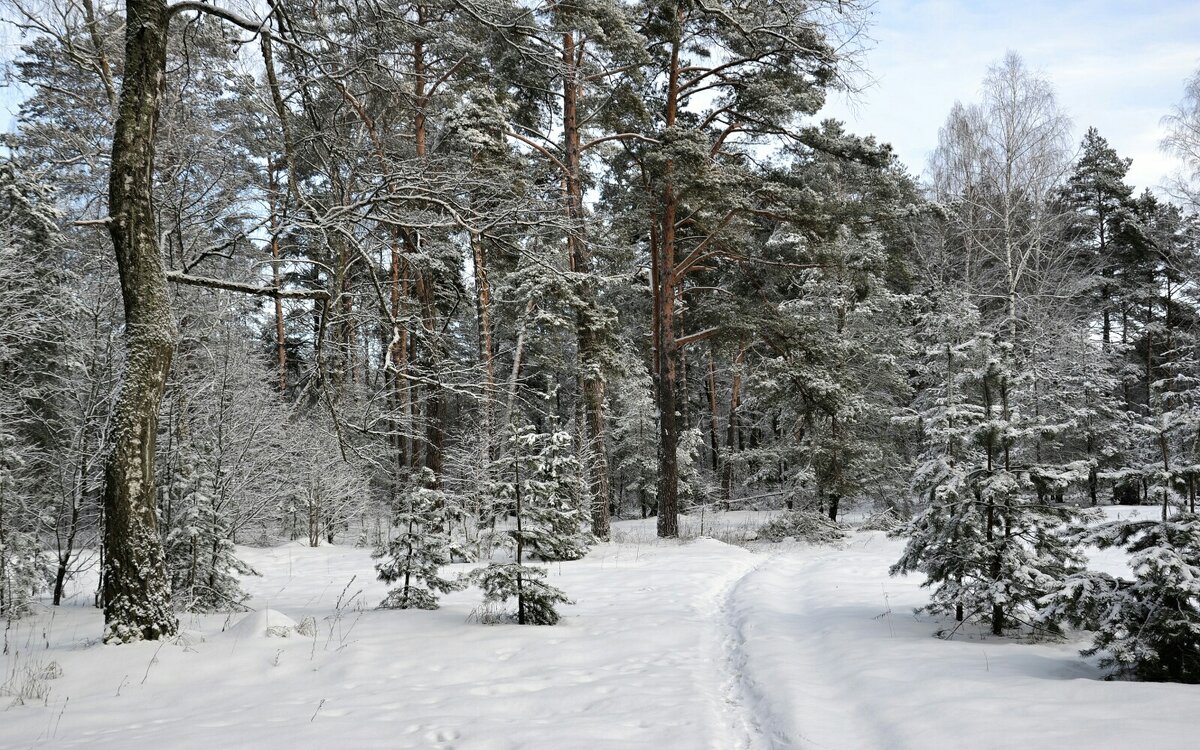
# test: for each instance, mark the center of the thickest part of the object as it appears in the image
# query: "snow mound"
(263, 623)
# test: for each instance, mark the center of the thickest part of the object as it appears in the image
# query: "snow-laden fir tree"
(695, 489)
(634, 437)
(31, 334)
(414, 557)
(989, 547)
(23, 571)
(543, 470)
(202, 563)
(538, 479)
(1147, 627)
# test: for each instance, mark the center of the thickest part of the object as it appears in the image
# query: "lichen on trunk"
(136, 593)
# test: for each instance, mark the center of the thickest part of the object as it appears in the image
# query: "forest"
(467, 284)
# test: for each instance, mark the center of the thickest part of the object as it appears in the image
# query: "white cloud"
(1116, 65)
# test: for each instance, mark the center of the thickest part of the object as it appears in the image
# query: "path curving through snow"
(747, 712)
(787, 676)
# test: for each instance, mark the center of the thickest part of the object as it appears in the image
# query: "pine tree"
(764, 67)
(1096, 189)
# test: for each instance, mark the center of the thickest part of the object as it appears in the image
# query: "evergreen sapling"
(416, 554)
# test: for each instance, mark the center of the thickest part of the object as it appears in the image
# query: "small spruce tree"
(201, 559)
(989, 546)
(1147, 628)
(415, 555)
(539, 475)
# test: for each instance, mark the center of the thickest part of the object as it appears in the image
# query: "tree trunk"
(276, 202)
(587, 321)
(732, 427)
(713, 428)
(435, 404)
(520, 545)
(136, 591)
(665, 347)
(487, 350)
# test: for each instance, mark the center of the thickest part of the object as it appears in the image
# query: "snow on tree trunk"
(135, 591)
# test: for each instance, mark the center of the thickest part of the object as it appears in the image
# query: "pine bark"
(666, 355)
(136, 591)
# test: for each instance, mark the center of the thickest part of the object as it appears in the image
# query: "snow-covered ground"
(694, 644)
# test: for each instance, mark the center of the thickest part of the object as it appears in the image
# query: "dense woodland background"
(434, 260)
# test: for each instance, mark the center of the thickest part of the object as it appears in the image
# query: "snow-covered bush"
(1147, 628)
(886, 520)
(803, 526)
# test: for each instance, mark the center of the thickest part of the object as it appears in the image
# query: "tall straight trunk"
(487, 350)
(435, 405)
(397, 354)
(665, 346)
(714, 430)
(514, 376)
(280, 337)
(591, 348)
(135, 590)
(1149, 365)
(1106, 274)
(733, 427)
(520, 552)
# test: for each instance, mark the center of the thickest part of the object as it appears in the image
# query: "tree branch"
(233, 286)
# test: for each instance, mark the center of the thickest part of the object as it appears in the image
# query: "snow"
(262, 623)
(693, 644)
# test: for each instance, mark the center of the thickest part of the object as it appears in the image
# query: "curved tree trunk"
(136, 592)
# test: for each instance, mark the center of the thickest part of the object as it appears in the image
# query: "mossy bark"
(136, 591)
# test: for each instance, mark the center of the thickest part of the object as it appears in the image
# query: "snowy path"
(839, 662)
(752, 727)
(790, 670)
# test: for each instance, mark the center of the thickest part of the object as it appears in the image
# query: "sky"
(1118, 66)
(1115, 64)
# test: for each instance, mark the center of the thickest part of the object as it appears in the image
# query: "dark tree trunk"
(733, 428)
(713, 427)
(666, 354)
(136, 592)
